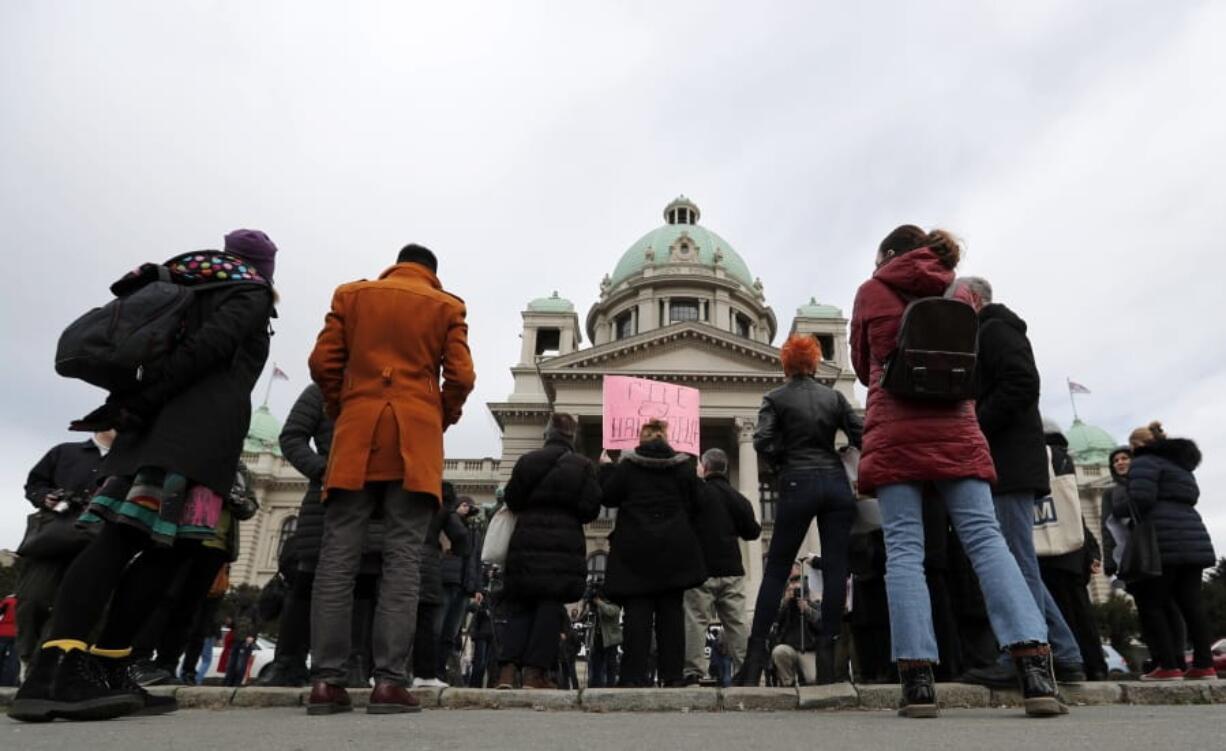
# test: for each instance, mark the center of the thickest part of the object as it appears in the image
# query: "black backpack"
(116, 345)
(938, 341)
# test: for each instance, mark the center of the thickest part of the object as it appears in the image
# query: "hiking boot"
(120, 676)
(756, 657)
(328, 699)
(1037, 680)
(71, 685)
(146, 673)
(506, 676)
(919, 692)
(389, 697)
(537, 678)
(287, 672)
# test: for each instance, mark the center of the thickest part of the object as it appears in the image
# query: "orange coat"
(384, 344)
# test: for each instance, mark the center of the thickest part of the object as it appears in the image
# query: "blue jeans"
(1011, 609)
(1015, 512)
(806, 495)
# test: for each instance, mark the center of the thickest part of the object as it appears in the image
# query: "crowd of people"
(926, 516)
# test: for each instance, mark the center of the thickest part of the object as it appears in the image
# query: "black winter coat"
(1007, 402)
(726, 517)
(553, 493)
(69, 467)
(797, 423)
(1164, 491)
(307, 423)
(445, 521)
(198, 405)
(653, 546)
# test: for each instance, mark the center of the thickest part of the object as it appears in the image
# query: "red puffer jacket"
(907, 440)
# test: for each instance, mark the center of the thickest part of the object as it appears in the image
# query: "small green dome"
(551, 304)
(682, 217)
(816, 310)
(1089, 444)
(264, 435)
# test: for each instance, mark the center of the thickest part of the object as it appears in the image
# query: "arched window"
(288, 527)
(596, 564)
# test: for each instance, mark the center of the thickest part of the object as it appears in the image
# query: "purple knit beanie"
(254, 246)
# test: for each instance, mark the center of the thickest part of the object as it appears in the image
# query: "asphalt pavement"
(1116, 727)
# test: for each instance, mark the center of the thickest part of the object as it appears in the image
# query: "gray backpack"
(117, 345)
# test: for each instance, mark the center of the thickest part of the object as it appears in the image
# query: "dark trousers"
(38, 582)
(236, 670)
(480, 664)
(168, 631)
(666, 613)
(451, 613)
(1181, 585)
(805, 495)
(346, 516)
(203, 627)
(102, 570)
(602, 666)
(533, 632)
(425, 643)
(1069, 591)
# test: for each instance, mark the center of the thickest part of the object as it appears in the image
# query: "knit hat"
(254, 246)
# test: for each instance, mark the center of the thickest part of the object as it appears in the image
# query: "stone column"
(667, 311)
(747, 483)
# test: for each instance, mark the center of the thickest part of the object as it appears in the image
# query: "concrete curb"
(836, 697)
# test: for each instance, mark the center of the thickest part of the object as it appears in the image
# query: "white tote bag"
(498, 537)
(1058, 528)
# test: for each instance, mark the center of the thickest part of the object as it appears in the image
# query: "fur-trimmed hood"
(654, 455)
(1181, 451)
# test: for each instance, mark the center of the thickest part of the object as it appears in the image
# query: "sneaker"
(145, 673)
(1163, 674)
(1200, 674)
(429, 683)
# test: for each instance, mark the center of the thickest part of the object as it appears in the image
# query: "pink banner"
(630, 402)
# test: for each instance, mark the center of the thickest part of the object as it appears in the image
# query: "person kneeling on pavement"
(797, 630)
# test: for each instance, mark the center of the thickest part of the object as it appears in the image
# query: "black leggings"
(805, 495)
(669, 622)
(168, 630)
(1180, 584)
(102, 570)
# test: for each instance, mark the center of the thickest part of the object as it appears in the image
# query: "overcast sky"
(1077, 148)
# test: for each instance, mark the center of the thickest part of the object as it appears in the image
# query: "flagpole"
(1071, 398)
(272, 376)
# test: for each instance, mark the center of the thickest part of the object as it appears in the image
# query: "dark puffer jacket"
(307, 423)
(1007, 403)
(726, 518)
(553, 493)
(1164, 491)
(797, 424)
(653, 547)
(908, 440)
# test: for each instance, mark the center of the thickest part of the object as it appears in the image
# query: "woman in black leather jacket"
(797, 424)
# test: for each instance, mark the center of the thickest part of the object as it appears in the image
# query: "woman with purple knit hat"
(169, 481)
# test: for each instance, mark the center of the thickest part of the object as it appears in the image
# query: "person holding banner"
(654, 551)
(797, 424)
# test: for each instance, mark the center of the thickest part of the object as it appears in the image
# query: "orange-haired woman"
(797, 424)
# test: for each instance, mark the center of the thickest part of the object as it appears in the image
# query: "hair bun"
(945, 245)
(1155, 427)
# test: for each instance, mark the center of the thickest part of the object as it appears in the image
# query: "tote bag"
(1058, 528)
(498, 537)
(1142, 559)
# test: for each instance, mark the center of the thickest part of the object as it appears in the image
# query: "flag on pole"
(1077, 388)
(278, 373)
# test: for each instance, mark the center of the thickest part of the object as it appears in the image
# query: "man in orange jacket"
(378, 362)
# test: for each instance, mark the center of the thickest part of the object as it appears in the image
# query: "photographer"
(797, 631)
(602, 660)
(61, 483)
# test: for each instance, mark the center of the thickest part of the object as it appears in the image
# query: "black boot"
(824, 657)
(120, 676)
(288, 671)
(756, 656)
(69, 684)
(1037, 680)
(919, 692)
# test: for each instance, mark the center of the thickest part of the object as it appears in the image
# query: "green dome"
(551, 304)
(264, 435)
(815, 310)
(1089, 444)
(682, 216)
